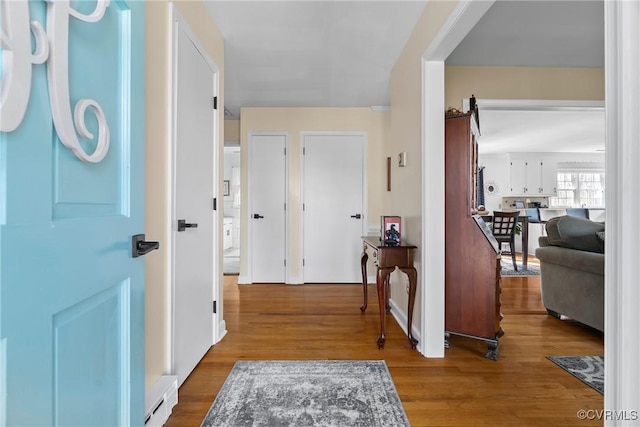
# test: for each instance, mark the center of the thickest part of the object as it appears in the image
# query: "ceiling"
(311, 53)
(316, 54)
(570, 130)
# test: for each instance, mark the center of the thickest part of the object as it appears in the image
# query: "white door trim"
(534, 105)
(365, 189)
(622, 296)
(249, 270)
(466, 14)
(177, 22)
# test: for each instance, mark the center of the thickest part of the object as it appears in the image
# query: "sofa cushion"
(585, 261)
(575, 233)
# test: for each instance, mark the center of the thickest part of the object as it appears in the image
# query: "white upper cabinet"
(531, 176)
(549, 177)
(518, 176)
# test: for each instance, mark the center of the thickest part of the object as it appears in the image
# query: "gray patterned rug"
(307, 393)
(588, 369)
(507, 268)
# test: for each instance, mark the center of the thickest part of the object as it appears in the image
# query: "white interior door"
(194, 264)
(267, 207)
(334, 211)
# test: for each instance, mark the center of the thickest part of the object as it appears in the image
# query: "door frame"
(365, 188)
(461, 20)
(177, 23)
(287, 249)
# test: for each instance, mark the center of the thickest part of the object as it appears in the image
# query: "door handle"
(140, 247)
(257, 216)
(356, 216)
(183, 225)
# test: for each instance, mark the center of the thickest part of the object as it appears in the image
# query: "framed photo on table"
(391, 230)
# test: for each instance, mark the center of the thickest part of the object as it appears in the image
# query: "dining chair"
(504, 230)
(579, 212)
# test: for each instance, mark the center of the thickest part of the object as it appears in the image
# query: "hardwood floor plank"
(312, 322)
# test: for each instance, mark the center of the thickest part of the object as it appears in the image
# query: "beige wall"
(294, 121)
(522, 83)
(405, 197)
(232, 130)
(157, 173)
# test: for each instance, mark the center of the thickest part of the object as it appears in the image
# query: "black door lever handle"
(356, 216)
(183, 225)
(257, 216)
(140, 247)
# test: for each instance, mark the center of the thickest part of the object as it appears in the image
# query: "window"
(579, 188)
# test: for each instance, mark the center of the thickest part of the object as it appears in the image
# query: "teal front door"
(71, 198)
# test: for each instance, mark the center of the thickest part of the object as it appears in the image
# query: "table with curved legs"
(387, 259)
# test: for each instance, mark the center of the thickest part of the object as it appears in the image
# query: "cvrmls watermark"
(607, 415)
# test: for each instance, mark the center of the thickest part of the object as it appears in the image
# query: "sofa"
(572, 269)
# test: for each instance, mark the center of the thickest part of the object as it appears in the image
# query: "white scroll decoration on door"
(52, 47)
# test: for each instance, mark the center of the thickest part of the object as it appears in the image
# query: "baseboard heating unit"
(160, 400)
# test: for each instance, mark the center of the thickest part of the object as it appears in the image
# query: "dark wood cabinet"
(472, 256)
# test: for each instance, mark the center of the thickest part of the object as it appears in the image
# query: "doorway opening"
(231, 209)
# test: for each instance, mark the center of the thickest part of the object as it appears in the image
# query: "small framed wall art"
(391, 230)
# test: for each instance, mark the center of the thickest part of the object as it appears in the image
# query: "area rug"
(507, 269)
(588, 369)
(307, 393)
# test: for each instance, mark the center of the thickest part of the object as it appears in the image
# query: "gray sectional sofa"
(572, 269)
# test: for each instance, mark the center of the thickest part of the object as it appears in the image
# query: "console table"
(386, 259)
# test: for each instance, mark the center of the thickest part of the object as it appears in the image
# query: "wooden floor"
(276, 322)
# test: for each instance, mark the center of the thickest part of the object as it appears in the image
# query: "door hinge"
(285, 206)
(303, 262)
(215, 203)
(304, 150)
(303, 207)
(215, 307)
(215, 102)
(285, 262)
(285, 151)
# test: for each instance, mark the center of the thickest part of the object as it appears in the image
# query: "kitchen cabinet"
(549, 178)
(532, 177)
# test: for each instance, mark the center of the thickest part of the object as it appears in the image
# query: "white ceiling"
(311, 53)
(512, 131)
(536, 34)
(337, 53)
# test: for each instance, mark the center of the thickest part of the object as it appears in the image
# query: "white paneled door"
(267, 207)
(193, 221)
(334, 214)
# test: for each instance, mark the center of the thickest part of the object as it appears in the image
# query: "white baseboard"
(401, 318)
(243, 280)
(222, 331)
(160, 400)
(295, 280)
